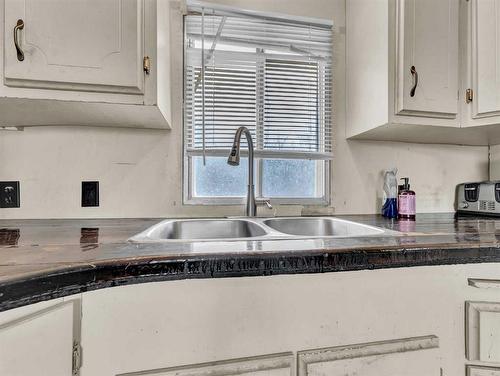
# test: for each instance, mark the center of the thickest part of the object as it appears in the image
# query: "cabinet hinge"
(77, 358)
(469, 95)
(146, 64)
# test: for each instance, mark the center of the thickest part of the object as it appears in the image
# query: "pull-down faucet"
(234, 160)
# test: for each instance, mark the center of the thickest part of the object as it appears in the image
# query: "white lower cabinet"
(41, 339)
(482, 323)
(407, 321)
(366, 323)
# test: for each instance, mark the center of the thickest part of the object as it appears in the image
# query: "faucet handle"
(264, 201)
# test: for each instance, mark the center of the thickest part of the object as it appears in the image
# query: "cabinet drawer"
(482, 371)
(409, 356)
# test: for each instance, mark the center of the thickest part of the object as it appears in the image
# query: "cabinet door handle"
(19, 26)
(414, 74)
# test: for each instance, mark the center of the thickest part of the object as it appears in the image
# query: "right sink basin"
(321, 227)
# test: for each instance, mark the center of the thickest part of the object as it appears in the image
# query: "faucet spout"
(234, 160)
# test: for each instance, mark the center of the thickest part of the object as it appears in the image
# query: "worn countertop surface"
(44, 259)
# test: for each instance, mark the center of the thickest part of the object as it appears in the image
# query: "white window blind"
(270, 74)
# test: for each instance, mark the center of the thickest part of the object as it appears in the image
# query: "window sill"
(219, 201)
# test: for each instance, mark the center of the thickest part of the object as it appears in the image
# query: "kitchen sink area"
(252, 188)
(227, 229)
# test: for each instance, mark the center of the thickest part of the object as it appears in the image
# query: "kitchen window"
(272, 75)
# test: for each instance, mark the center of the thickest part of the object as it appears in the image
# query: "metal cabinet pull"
(19, 26)
(414, 74)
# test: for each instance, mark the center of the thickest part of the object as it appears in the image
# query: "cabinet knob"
(19, 26)
(414, 74)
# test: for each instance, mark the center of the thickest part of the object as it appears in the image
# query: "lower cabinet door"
(417, 356)
(40, 341)
(482, 371)
(483, 331)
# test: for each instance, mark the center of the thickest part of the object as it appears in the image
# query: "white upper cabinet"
(486, 57)
(83, 45)
(402, 70)
(427, 66)
(431, 75)
(483, 62)
(85, 62)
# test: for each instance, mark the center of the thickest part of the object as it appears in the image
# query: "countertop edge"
(72, 279)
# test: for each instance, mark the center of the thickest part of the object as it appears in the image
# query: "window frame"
(323, 179)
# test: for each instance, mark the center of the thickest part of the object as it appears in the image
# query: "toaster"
(479, 198)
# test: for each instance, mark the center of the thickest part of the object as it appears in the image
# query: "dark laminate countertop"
(44, 259)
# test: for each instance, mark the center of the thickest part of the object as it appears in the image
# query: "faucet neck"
(251, 207)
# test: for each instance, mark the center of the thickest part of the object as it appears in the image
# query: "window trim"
(187, 171)
(272, 16)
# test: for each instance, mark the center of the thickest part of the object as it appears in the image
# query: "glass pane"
(217, 178)
(292, 178)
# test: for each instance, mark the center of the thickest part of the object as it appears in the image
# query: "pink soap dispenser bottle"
(406, 201)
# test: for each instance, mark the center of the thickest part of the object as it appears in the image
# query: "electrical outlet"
(9, 194)
(90, 193)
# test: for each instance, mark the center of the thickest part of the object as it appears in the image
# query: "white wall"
(140, 171)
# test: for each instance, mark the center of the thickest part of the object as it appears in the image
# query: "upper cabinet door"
(87, 45)
(427, 61)
(485, 57)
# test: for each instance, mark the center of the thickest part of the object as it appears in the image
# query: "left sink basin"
(201, 229)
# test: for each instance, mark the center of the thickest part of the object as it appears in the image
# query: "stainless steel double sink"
(232, 229)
